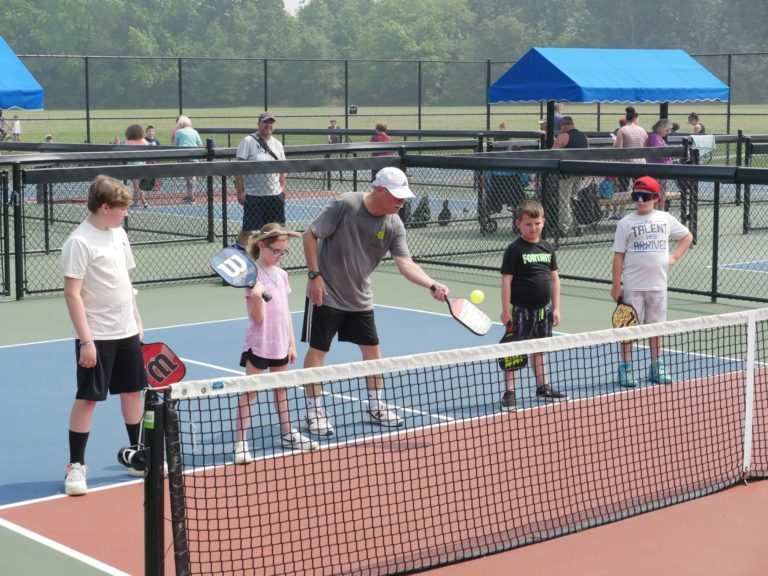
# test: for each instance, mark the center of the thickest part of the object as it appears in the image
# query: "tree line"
(389, 34)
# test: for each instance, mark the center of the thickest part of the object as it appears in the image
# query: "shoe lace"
(76, 473)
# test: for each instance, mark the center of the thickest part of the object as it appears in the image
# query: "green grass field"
(70, 125)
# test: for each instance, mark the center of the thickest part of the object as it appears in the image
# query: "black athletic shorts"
(530, 323)
(322, 323)
(119, 368)
(259, 362)
(261, 210)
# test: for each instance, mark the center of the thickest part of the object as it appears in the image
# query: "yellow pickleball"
(477, 296)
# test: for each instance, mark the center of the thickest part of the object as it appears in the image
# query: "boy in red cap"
(641, 257)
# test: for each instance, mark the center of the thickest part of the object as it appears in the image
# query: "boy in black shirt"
(530, 295)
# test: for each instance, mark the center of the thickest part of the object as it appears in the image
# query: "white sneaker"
(385, 417)
(242, 453)
(295, 440)
(74, 481)
(318, 423)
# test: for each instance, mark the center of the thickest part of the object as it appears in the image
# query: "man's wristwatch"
(314, 274)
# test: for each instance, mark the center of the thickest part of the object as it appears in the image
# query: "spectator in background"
(693, 120)
(558, 117)
(261, 195)
(502, 127)
(152, 140)
(656, 139)
(334, 137)
(134, 136)
(150, 136)
(622, 123)
(186, 136)
(173, 132)
(48, 138)
(380, 136)
(675, 128)
(16, 128)
(631, 135)
(569, 137)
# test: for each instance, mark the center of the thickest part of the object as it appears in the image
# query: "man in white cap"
(262, 195)
(342, 247)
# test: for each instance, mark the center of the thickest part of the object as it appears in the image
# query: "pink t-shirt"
(381, 137)
(271, 338)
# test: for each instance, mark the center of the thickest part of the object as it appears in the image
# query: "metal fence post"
(210, 144)
(181, 103)
(17, 201)
(87, 102)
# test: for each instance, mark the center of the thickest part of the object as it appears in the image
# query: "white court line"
(66, 550)
(332, 394)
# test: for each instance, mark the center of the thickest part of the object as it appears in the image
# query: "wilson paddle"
(163, 366)
(236, 269)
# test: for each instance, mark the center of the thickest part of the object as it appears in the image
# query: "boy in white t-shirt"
(95, 261)
(16, 128)
(641, 255)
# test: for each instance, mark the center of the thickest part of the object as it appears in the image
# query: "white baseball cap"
(394, 180)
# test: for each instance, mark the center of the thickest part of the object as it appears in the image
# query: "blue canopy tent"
(18, 88)
(606, 75)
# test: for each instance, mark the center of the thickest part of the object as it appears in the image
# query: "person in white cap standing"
(356, 231)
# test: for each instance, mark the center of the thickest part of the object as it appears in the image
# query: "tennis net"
(463, 478)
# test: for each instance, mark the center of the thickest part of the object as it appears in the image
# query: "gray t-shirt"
(352, 243)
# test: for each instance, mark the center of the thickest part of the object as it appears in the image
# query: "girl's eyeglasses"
(277, 253)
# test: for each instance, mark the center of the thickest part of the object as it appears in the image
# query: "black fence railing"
(462, 216)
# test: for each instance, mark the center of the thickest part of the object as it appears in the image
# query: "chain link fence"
(462, 216)
(93, 98)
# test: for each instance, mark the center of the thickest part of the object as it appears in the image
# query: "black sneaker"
(508, 400)
(549, 393)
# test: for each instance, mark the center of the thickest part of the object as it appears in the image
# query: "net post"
(749, 394)
(154, 496)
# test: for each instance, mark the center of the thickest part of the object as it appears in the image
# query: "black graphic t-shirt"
(531, 266)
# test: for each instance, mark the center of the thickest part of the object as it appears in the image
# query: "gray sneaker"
(508, 400)
(549, 393)
(295, 440)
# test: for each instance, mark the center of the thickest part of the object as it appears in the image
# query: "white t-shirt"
(16, 127)
(644, 241)
(260, 184)
(102, 259)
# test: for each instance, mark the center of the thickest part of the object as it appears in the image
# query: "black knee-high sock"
(77, 442)
(133, 433)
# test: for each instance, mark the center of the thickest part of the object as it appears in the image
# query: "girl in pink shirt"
(269, 342)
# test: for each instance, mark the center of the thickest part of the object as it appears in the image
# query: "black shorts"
(119, 369)
(530, 323)
(261, 210)
(322, 323)
(259, 362)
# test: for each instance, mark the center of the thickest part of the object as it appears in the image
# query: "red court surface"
(722, 534)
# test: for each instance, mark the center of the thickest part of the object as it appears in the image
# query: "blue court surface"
(40, 385)
(756, 266)
(39, 380)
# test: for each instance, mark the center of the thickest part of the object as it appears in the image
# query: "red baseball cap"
(647, 184)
